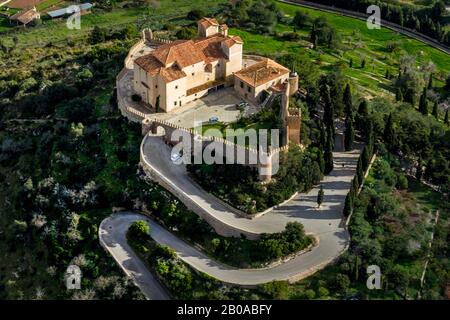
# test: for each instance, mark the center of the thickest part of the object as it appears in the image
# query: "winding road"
(326, 224)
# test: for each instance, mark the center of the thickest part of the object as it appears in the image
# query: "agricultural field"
(359, 42)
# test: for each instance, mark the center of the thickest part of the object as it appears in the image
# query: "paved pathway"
(302, 208)
(325, 223)
(112, 235)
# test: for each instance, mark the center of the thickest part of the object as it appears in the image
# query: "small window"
(242, 84)
(176, 87)
(174, 103)
(156, 86)
(249, 89)
(193, 73)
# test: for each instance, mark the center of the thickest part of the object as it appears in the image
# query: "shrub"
(186, 33)
(402, 182)
(291, 36)
(278, 290)
(165, 252)
(323, 292)
(196, 14)
(139, 230)
(310, 294)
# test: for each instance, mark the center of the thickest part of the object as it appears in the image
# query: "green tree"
(360, 171)
(347, 100)
(430, 82)
(348, 206)
(349, 134)
(435, 112)
(320, 196)
(186, 33)
(139, 230)
(362, 114)
(447, 83)
(196, 14)
(277, 290)
(365, 157)
(97, 35)
(446, 119)
(302, 19)
(389, 134)
(398, 94)
(423, 102)
(328, 155)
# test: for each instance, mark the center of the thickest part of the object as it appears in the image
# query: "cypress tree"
(328, 156)
(349, 134)
(370, 138)
(355, 186)
(365, 158)
(435, 112)
(423, 102)
(398, 95)
(348, 204)
(363, 109)
(347, 100)
(359, 172)
(389, 133)
(362, 115)
(328, 107)
(430, 82)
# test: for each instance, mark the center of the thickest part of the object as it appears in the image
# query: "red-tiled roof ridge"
(205, 21)
(261, 72)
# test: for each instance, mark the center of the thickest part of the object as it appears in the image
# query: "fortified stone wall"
(265, 162)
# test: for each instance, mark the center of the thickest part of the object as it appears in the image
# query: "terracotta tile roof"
(182, 52)
(153, 66)
(261, 72)
(208, 22)
(211, 47)
(169, 59)
(26, 16)
(231, 41)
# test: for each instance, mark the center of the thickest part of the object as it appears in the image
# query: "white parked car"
(176, 157)
(214, 119)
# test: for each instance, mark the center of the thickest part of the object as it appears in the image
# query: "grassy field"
(54, 31)
(358, 43)
(51, 3)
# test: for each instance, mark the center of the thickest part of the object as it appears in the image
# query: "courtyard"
(220, 104)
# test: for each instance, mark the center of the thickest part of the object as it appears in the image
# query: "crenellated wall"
(265, 162)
